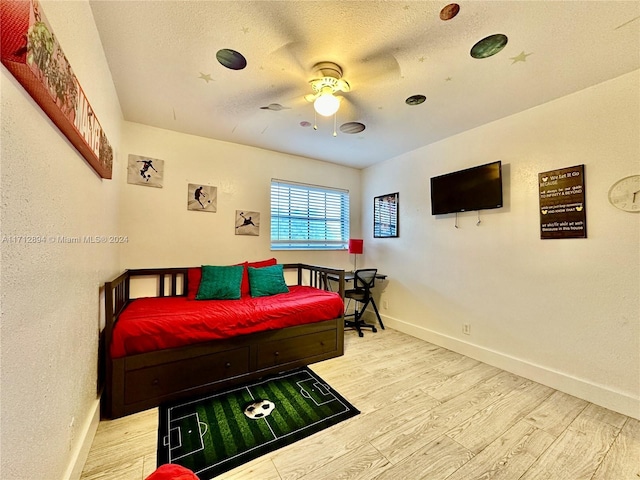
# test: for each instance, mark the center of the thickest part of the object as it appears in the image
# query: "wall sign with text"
(563, 213)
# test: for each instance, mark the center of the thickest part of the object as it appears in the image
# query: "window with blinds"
(308, 217)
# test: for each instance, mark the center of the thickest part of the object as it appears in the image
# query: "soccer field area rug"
(218, 432)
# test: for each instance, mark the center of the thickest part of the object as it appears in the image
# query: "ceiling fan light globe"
(326, 105)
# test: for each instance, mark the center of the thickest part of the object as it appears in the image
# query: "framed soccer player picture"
(247, 223)
(202, 198)
(145, 171)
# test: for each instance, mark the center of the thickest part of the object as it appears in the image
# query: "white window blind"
(308, 217)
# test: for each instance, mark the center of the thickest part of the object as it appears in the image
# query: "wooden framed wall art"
(563, 212)
(30, 51)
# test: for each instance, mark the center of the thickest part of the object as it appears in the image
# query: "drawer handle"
(276, 353)
(155, 382)
(227, 365)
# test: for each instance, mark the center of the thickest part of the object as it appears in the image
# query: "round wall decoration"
(489, 46)
(449, 11)
(625, 194)
(415, 100)
(231, 59)
(352, 127)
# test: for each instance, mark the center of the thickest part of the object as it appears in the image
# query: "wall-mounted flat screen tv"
(476, 188)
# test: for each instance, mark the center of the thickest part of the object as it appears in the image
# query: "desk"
(349, 276)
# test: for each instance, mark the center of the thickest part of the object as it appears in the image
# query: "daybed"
(234, 340)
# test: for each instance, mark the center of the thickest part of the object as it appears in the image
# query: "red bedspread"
(149, 324)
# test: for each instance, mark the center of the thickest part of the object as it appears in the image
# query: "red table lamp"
(355, 247)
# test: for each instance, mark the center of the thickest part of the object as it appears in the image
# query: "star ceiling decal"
(520, 58)
(448, 79)
(245, 29)
(206, 77)
(421, 59)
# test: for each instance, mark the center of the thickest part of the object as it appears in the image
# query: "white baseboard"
(81, 452)
(602, 395)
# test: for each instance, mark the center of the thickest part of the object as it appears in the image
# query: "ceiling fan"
(372, 67)
(328, 81)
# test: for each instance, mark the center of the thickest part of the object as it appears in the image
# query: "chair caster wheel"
(360, 334)
(374, 330)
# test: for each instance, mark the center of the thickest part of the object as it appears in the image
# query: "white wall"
(50, 293)
(563, 312)
(163, 233)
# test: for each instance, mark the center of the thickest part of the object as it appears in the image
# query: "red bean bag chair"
(170, 471)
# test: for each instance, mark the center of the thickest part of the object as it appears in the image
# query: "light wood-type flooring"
(427, 413)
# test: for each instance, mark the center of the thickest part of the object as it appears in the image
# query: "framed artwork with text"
(563, 212)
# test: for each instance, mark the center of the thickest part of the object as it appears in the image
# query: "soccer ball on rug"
(259, 409)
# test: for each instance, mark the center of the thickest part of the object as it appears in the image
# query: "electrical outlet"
(466, 328)
(385, 304)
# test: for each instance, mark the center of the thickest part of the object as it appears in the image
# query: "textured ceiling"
(162, 55)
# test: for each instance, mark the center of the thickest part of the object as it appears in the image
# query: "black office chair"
(363, 281)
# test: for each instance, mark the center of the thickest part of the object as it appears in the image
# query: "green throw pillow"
(220, 283)
(267, 281)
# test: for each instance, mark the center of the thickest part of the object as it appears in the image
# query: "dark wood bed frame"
(139, 382)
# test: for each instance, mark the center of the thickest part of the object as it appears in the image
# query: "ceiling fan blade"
(282, 18)
(347, 112)
(354, 110)
(375, 66)
(288, 58)
(275, 98)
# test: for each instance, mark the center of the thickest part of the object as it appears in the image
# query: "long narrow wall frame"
(30, 51)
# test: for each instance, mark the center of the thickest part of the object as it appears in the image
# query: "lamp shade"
(355, 246)
(326, 104)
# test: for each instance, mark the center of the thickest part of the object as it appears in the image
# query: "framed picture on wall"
(247, 223)
(202, 198)
(32, 53)
(145, 171)
(385, 215)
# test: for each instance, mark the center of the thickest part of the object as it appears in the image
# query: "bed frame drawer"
(145, 380)
(286, 350)
(155, 382)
